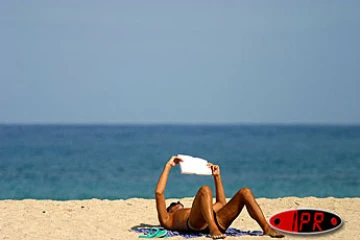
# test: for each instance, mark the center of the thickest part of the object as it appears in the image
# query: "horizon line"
(178, 124)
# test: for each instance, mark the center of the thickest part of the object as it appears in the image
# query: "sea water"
(64, 162)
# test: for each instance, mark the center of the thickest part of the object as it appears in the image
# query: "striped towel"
(229, 232)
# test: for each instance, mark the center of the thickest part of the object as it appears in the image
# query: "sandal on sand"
(155, 233)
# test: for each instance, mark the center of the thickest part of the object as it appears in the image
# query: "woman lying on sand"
(204, 216)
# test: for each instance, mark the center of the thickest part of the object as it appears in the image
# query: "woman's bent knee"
(245, 191)
(205, 190)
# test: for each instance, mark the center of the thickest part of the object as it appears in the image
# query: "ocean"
(66, 162)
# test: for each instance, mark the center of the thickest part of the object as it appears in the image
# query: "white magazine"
(194, 165)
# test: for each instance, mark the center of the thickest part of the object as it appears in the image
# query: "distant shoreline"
(167, 198)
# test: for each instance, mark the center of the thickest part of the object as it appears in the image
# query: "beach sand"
(105, 219)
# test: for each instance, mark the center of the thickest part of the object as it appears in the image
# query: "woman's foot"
(221, 236)
(272, 233)
(216, 234)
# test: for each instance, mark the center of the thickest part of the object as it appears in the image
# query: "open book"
(194, 165)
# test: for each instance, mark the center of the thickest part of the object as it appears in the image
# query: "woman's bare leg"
(232, 209)
(202, 213)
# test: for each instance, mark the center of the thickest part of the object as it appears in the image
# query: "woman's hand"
(174, 160)
(215, 169)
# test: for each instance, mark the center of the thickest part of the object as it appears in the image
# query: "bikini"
(206, 230)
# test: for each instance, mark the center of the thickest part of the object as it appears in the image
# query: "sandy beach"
(105, 219)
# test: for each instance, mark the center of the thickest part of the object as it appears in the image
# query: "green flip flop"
(155, 233)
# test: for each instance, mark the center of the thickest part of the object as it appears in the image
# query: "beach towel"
(229, 232)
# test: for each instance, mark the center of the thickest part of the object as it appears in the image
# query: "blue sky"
(180, 62)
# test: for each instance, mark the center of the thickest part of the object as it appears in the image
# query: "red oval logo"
(305, 221)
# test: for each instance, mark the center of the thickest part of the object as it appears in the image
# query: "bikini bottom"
(206, 230)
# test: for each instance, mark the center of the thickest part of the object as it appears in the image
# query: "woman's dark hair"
(173, 204)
